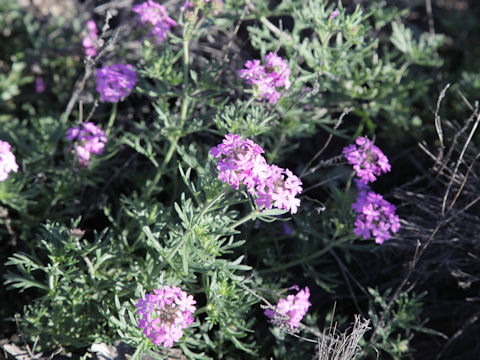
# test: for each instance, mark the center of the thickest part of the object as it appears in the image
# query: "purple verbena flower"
(39, 85)
(7, 160)
(368, 160)
(375, 216)
(267, 79)
(164, 314)
(88, 139)
(115, 82)
(154, 16)
(290, 311)
(240, 162)
(89, 42)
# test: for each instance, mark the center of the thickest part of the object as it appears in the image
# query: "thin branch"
(459, 161)
(447, 158)
(463, 182)
(20, 332)
(473, 319)
(347, 281)
(326, 181)
(89, 67)
(281, 34)
(329, 139)
(431, 25)
(438, 124)
(465, 100)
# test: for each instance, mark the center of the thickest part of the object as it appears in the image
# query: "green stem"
(174, 251)
(325, 42)
(51, 282)
(306, 258)
(161, 171)
(186, 63)
(274, 153)
(248, 103)
(213, 202)
(111, 120)
(243, 220)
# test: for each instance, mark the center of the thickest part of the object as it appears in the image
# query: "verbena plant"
(108, 213)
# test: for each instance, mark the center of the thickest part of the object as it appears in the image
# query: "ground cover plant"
(222, 179)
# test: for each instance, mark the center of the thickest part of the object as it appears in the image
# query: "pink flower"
(240, 162)
(278, 70)
(375, 216)
(290, 311)
(7, 160)
(267, 79)
(88, 139)
(154, 16)
(115, 82)
(368, 160)
(89, 42)
(186, 5)
(164, 314)
(334, 14)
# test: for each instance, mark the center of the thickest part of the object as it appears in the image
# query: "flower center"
(167, 315)
(371, 157)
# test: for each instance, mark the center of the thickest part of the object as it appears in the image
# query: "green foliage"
(71, 277)
(348, 64)
(397, 323)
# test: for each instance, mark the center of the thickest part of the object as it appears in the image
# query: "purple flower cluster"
(367, 159)
(267, 79)
(40, 85)
(290, 311)
(154, 16)
(89, 42)
(115, 82)
(7, 160)
(89, 139)
(375, 215)
(164, 314)
(240, 162)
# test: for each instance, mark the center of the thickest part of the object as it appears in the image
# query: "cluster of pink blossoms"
(290, 311)
(7, 160)
(368, 160)
(89, 139)
(164, 314)
(154, 16)
(115, 82)
(89, 42)
(240, 163)
(267, 79)
(375, 215)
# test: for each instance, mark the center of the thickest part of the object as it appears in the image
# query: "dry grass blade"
(442, 214)
(438, 123)
(343, 346)
(459, 161)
